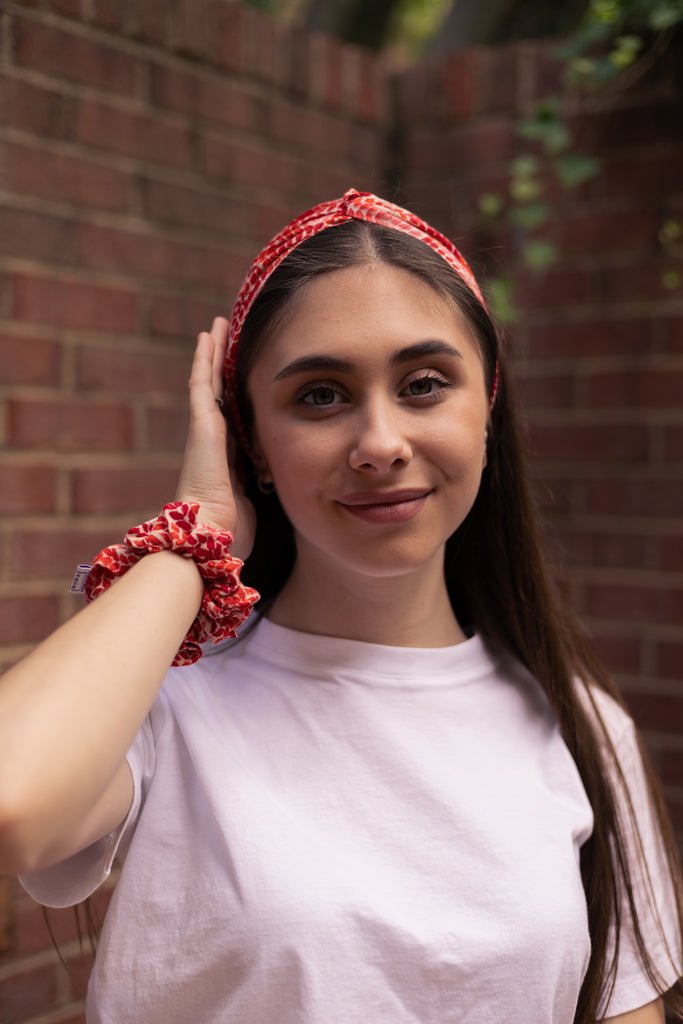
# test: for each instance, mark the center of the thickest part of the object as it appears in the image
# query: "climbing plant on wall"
(615, 43)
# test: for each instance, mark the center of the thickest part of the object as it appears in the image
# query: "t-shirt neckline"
(327, 657)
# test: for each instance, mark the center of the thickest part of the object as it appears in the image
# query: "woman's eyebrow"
(332, 364)
(430, 347)
(307, 364)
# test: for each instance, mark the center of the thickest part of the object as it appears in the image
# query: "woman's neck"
(411, 610)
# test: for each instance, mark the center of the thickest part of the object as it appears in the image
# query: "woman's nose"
(380, 442)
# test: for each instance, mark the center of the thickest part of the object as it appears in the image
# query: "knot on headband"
(353, 205)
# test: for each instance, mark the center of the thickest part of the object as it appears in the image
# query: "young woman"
(407, 792)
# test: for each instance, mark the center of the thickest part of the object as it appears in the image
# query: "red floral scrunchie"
(226, 602)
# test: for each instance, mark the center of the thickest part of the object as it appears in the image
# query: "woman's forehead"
(374, 300)
(365, 319)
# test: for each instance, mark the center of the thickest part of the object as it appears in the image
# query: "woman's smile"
(385, 506)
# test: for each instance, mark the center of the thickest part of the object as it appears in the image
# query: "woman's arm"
(653, 1013)
(69, 711)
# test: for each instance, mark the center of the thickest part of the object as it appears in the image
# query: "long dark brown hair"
(498, 582)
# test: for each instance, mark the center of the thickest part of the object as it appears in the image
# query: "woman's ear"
(258, 459)
(264, 479)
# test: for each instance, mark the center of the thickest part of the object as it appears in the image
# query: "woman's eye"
(422, 386)
(429, 385)
(321, 396)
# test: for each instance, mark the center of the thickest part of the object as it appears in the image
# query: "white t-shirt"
(326, 831)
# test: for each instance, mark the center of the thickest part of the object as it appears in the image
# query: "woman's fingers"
(203, 392)
(219, 333)
(206, 477)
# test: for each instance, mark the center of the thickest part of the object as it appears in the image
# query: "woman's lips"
(392, 507)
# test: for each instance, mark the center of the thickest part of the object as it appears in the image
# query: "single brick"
(586, 442)
(203, 96)
(29, 489)
(139, 491)
(43, 112)
(26, 360)
(35, 236)
(138, 135)
(167, 428)
(70, 304)
(644, 496)
(74, 57)
(129, 370)
(69, 425)
(110, 14)
(46, 554)
(25, 619)
(183, 316)
(197, 208)
(34, 170)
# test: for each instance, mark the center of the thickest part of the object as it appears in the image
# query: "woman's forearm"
(70, 709)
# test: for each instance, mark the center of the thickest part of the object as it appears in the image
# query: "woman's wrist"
(225, 601)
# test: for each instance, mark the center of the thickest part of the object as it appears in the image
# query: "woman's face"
(370, 412)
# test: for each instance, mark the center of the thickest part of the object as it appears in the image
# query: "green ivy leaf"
(582, 67)
(547, 126)
(490, 204)
(669, 233)
(530, 217)
(557, 138)
(524, 190)
(595, 71)
(524, 166)
(538, 254)
(665, 15)
(574, 168)
(604, 12)
(624, 52)
(553, 135)
(671, 279)
(500, 296)
(547, 111)
(621, 59)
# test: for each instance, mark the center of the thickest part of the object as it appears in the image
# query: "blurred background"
(405, 30)
(149, 149)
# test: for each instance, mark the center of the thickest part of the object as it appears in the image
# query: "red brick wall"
(147, 151)
(599, 343)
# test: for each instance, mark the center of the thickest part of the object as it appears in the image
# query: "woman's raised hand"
(206, 476)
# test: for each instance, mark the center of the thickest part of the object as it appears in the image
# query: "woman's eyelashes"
(421, 388)
(427, 385)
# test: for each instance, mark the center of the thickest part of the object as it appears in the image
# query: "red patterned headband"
(353, 205)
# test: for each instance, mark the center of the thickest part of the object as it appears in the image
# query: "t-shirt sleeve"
(73, 880)
(654, 897)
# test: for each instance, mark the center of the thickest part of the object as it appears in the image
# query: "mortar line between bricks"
(621, 576)
(110, 280)
(74, 523)
(633, 685)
